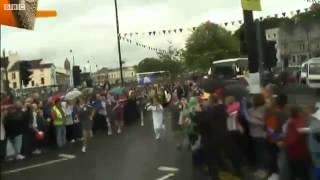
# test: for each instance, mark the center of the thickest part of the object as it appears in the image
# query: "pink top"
(233, 107)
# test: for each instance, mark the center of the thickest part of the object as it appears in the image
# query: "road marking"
(64, 157)
(169, 169)
(166, 176)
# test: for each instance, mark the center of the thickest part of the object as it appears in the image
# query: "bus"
(154, 76)
(229, 68)
(310, 73)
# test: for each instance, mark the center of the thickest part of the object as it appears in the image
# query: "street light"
(118, 40)
(71, 69)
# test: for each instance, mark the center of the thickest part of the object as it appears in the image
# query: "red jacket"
(296, 142)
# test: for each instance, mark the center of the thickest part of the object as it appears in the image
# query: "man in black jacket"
(215, 139)
(16, 125)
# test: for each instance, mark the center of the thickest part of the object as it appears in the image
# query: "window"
(41, 70)
(274, 35)
(32, 83)
(14, 85)
(13, 75)
(42, 81)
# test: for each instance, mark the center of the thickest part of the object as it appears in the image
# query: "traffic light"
(25, 72)
(270, 59)
(76, 75)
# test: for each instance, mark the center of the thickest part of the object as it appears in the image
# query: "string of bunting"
(124, 39)
(226, 24)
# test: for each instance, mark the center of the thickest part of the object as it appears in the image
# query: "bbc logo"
(14, 7)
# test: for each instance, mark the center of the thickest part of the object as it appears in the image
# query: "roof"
(35, 64)
(312, 60)
(229, 60)
(4, 61)
(102, 70)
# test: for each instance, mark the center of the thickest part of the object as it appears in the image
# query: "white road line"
(166, 176)
(64, 157)
(169, 169)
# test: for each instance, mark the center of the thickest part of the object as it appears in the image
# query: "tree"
(209, 42)
(149, 65)
(171, 60)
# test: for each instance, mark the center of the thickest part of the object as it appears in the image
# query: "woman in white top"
(67, 108)
(157, 116)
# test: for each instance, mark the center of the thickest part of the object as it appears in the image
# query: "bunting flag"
(124, 39)
(224, 24)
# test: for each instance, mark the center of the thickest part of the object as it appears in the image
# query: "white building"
(44, 75)
(296, 45)
(6, 62)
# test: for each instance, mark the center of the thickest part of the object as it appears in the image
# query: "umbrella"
(237, 90)
(209, 85)
(117, 91)
(147, 80)
(72, 94)
(298, 89)
(55, 96)
(88, 91)
(299, 94)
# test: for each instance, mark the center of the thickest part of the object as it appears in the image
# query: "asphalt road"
(133, 155)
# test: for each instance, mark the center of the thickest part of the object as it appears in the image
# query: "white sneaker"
(84, 149)
(73, 141)
(119, 131)
(109, 133)
(274, 176)
(142, 123)
(20, 157)
(157, 137)
(37, 152)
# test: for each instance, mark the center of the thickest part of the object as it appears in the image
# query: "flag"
(251, 5)
(180, 29)
(284, 14)
(164, 31)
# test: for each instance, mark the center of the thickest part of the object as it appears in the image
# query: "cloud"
(88, 27)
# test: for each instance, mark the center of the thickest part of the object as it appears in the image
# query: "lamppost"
(118, 40)
(71, 69)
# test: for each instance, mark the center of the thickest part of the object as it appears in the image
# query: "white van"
(310, 73)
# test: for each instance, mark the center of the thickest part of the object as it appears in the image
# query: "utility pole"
(118, 40)
(250, 36)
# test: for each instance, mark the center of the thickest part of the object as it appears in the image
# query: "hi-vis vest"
(58, 121)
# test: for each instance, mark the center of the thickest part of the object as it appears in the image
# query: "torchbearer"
(157, 116)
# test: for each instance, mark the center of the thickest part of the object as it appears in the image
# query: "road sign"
(251, 5)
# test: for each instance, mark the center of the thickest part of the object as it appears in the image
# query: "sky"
(88, 27)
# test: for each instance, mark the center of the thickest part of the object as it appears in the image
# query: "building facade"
(43, 75)
(297, 45)
(6, 62)
(129, 75)
(101, 76)
(63, 78)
